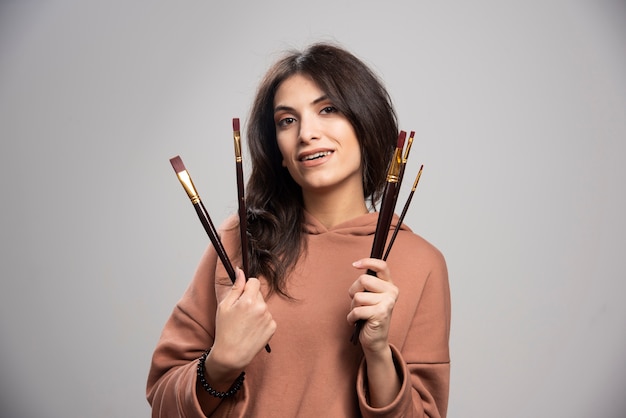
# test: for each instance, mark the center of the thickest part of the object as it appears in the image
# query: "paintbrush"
(205, 219)
(243, 222)
(385, 216)
(404, 210)
(405, 158)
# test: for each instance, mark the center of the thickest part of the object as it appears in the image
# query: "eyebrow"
(281, 108)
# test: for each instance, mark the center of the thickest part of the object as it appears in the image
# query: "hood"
(359, 226)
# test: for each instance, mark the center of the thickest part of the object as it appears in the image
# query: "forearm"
(382, 377)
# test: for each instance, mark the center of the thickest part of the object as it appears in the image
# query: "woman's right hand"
(243, 326)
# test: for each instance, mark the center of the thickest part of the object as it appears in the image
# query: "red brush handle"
(380, 238)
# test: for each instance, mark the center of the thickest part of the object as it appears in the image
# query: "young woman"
(322, 131)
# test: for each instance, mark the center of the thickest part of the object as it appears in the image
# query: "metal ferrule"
(407, 150)
(417, 179)
(187, 183)
(237, 138)
(394, 169)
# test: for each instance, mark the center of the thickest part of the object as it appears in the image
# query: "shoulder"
(230, 223)
(228, 230)
(416, 263)
(411, 246)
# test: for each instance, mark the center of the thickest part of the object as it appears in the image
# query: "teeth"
(316, 155)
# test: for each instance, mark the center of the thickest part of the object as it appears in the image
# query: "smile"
(315, 155)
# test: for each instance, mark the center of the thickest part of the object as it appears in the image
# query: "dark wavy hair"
(273, 198)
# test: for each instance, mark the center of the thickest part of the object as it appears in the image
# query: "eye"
(328, 109)
(285, 121)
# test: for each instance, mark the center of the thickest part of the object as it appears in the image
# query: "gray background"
(520, 113)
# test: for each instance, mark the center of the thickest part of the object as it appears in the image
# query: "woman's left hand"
(373, 299)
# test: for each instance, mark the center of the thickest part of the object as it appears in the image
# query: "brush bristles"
(177, 163)
(235, 124)
(401, 139)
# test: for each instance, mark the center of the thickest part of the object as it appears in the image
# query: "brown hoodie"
(314, 370)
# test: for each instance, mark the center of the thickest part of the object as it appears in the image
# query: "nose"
(309, 128)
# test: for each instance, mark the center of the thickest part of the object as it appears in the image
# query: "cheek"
(356, 155)
(282, 154)
(283, 148)
(286, 162)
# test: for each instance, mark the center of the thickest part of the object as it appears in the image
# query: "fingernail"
(357, 263)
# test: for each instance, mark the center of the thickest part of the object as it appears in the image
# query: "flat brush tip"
(412, 134)
(177, 163)
(401, 139)
(235, 124)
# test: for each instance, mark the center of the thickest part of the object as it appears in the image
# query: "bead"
(233, 389)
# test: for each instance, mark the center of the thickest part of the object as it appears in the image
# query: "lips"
(310, 156)
(315, 156)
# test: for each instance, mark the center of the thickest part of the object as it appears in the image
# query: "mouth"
(315, 155)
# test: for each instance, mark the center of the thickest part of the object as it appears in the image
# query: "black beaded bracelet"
(233, 389)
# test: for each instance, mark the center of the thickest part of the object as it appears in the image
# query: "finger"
(240, 280)
(371, 308)
(379, 267)
(365, 299)
(252, 288)
(367, 283)
(364, 283)
(238, 287)
(359, 313)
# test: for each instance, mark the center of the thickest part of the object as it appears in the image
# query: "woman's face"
(318, 144)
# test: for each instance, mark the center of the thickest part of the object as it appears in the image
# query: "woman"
(321, 133)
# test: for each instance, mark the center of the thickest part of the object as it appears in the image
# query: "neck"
(332, 210)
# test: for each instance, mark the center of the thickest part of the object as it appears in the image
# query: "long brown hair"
(274, 199)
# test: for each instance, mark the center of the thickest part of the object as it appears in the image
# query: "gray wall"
(520, 113)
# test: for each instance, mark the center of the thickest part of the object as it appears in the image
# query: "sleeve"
(423, 362)
(189, 331)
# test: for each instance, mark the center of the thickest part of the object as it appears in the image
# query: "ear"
(284, 163)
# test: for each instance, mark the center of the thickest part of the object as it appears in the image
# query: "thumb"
(240, 283)
(236, 289)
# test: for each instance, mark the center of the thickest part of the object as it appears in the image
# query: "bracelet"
(233, 389)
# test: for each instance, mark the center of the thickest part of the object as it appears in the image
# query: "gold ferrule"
(407, 150)
(187, 183)
(394, 169)
(237, 138)
(417, 179)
